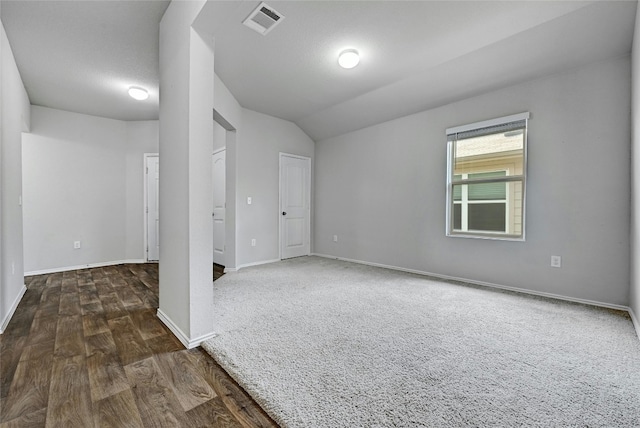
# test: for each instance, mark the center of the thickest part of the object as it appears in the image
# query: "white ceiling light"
(348, 58)
(138, 93)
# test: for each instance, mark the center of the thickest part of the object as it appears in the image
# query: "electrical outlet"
(556, 261)
(253, 242)
(76, 245)
(249, 200)
(335, 238)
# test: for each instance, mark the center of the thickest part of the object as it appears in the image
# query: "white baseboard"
(87, 266)
(12, 310)
(246, 265)
(636, 322)
(182, 337)
(485, 284)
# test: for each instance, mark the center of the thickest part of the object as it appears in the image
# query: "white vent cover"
(263, 19)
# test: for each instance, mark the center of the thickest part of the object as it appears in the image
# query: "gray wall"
(83, 181)
(74, 190)
(219, 137)
(174, 137)
(186, 144)
(634, 294)
(14, 118)
(142, 137)
(260, 140)
(231, 111)
(253, 156)
(382, 189)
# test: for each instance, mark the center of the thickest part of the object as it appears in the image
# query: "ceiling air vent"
(263, 19)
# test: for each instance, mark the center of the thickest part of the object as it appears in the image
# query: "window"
(486, 178)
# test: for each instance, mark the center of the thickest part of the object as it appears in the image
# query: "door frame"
(215, 152)
(145, 200)
(308, 159)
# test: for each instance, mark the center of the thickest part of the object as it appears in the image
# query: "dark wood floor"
(85, 349)
(218, 271)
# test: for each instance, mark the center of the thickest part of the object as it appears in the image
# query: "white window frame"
(464, 200)
(514, 178)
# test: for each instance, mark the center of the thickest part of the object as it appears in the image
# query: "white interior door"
(219, 206)
(295, 214)
(153, 208)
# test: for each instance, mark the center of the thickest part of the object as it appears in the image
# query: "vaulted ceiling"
(415, 55)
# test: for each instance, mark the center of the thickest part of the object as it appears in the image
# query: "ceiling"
(82, 56)
(415, 55)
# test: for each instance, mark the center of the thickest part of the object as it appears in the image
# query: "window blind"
(495, 129)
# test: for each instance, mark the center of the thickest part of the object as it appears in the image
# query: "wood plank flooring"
(218, 271)
(85, 349)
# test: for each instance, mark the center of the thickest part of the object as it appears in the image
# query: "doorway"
(295, 201)
(152, 207)
(219, 206)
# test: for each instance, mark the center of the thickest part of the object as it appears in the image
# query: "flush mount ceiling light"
(348, 58)
(138, 93)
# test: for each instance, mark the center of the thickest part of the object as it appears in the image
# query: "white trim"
(145, 181)
(224, 251)
(636, 322)
(182, 337)
(12, 310)
(136, 261)
(464, 203)
(488, 123)
(87, 266)
(246, 265)
(485, 284)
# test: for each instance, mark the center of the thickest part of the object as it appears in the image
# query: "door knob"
(284, 213)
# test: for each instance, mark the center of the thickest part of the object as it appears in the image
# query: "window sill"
(490, 236)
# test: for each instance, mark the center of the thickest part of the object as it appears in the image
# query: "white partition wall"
(186, 141)
(14, 119)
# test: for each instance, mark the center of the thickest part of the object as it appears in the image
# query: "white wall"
(231, 111)
(225, 103)
(186, 144)
(74, 190)
(219, 137)
(14, 118)
(253, 156)
(142, 137)
(382, 189)
(83, 181)
(260, 140)
(634, 294)
(200, 172)
(174, 101)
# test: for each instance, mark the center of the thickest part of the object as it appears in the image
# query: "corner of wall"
(14, 114)
(634, 277)
(4, 322)
(635, 321)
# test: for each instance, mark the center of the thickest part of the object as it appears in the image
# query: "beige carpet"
(323, 343)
